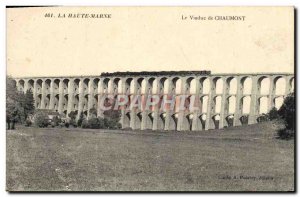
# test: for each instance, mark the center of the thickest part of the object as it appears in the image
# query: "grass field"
(247, 158)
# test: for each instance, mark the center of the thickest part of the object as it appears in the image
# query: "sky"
(148, 39)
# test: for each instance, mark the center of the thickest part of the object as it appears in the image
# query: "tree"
(112, 114)
(93, 112)
(287, 111)
(14, 108)
(95, 123)
(41, 119)
(80, 119)
(273, 114)
(72, 116)
(28, 103)
(56, 120)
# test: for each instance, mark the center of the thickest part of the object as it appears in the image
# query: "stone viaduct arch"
(222, 99)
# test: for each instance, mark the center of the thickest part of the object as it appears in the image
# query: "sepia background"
(148, 39)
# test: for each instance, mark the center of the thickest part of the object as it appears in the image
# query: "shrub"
(73, 123)
(80, 119)
(111, 119)
(61, 124)
(95, 123)
(230, 121)
(72, 115)
(85, 124)
(112, 114)
(101, 123)
(28, 123)
(286, 134)
(244, 119)
(273, 114)
(56, 121)
(67, 125)
(287, 111)
(111, 124)
(263, 118)
(53, 124)
(287, 114)
(93, 112)
(41, 119)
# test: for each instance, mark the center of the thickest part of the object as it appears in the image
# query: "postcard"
(150, 99)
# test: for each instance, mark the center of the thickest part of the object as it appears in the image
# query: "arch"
(95, 85)
(264, 85)
(244, 119)
(205, 85)
(65, 102)
(280, 85)
(216, 121)
(76, 113)
(119, 87)
(139, 83)
(164, 85)
(154, 86)
(247, 85)
(278, 101)
(188, 121)
(47, 101)
(86, 85)
(219, 85)
(126, 121)
(95, 101)
(39, 84)
(202, 119)
(65, 113)
(106, 85)
(204, 103)
(76, 101)
(176, 86)
(85, 114)
(143, 86)
(263, 105)
(229, 120)
(30, 85)
(21, 85)
(150, 85)
(85, 102)
(14, 83)
(233, 85)
(218, 103)
(47, 85)
(138, 120)
(246, 103)
(173, 122)
(213, 84)
(76, 86)
(161, 121)
(38, 101)
(56, 85)
(231, 104)
(149, 120)
(129, 87)
(56, 102)
(66, 85)
(191, 83)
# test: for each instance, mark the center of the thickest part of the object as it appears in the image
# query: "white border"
(3, 4)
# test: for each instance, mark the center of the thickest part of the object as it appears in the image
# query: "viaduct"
(81, 93)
